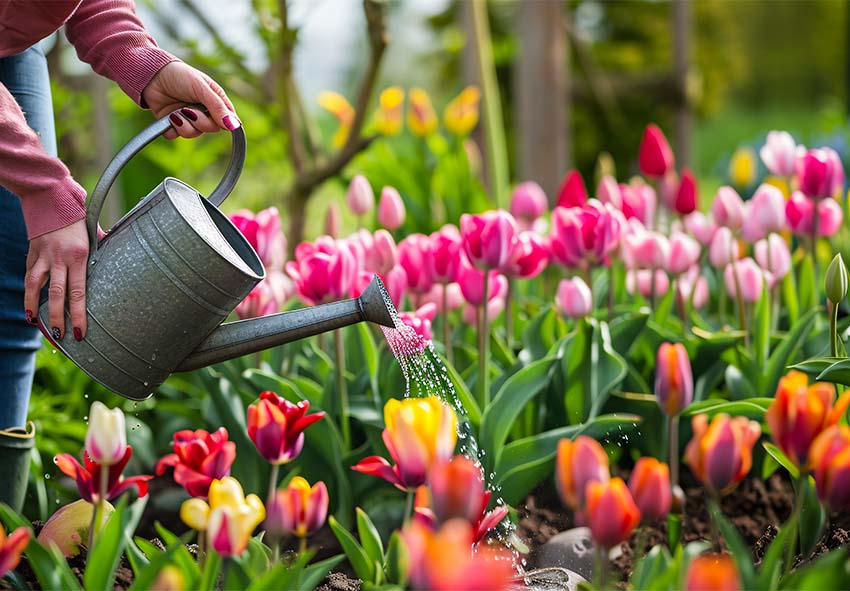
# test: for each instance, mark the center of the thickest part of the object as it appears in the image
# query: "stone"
(552, 579)
(572, 550)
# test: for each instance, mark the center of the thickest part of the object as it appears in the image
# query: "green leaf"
(209, 575)
(177, 555)
(314, 573)
(280, 576)
(815, 366)
(369, 350)
(397, 565)
(626, 329)
(837, 373)
(784, 461)
(500, 352)
(538, 335)
(753, 408)
(103, 560)
(783, 353)
(789, 298)
(651, 568)
(770, 569)
(735, 543)
(470, 404)
(363, 567)
(808, 290)
(761, 328)
(829, 571)
(812, 516)
(370, 539)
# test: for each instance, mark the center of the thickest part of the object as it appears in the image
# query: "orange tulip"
(674, 382)
(11, 547)
(340, 108)
(577, 463)
(611, 511)
(276, 426)
(649, 483)
(721, 453)
(713, 572)
(829, 460)
(799, 413)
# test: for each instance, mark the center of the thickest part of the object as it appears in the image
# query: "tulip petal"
(380, 467)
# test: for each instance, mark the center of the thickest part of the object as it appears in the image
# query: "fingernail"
(175, 120)
(30, 318)
(57, 334)
(230, 122)
(189, 114)
(78, 334)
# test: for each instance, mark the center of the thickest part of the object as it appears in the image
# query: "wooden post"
(681, 61)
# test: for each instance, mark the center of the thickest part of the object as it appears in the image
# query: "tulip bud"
(638, 200)
(195, 513)
(750, 280)
(641, 281)
(674, 382)
(713, 572)
(471, 281)
(687, 197)
(742, 167)
(723, 248)
(772, 255)
(649, 484)
(721, 453)
(799, 211)
(360, 197)
(415, 255)
(655, 156)
(835, 284)
(576, 464)
(765, 213)
(528, 202)
(572, 192)
(609, 192)
(684, 253)
(340, 108)
(421, 117)
(574, 298)
(701, 227)
(611, 511)
(11, 548)
(778, 153)
(106, 438)
(333, 220)
(820, 173)
(391, 210)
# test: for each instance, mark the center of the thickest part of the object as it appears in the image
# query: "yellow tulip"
(340, 108)
(421, 117)
(461, 114)
(742, 167)
(389, 116)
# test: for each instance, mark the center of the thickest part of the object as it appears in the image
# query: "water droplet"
(47, 476)
(146, 384)
(54, 351)
(85, 395)
(90, 359)
(153, 356)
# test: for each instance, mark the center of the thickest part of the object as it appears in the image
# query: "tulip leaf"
(212, 564)
(360, 562)
(281, 575)
(837, 373)
(105, 555)
(539, 333)
(656, 570)
(369, 349)
(784, 461)
(397, 564)
(815, 366)
(790, 299)
(808, 288)
(761, 329)
(176, 554)
(314, 573)
(783, 353)
(626, 329)
(470, 404)
(370, 539)
(827, 572)
(812, 515)
(753, 408)
(770, 569)
(736, 545)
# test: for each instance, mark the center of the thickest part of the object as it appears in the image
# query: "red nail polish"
(175, 120)
(189, 114)
(78, 334)
(30, 318)
(230, 122)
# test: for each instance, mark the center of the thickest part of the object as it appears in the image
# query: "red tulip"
(687, 197)
(611, 511)
(528, 258)
(649, 483)
(829, 460)
(199, 458)
(276, 426)
(576, 464)
(572, 192)
(721, 453)
(11, 548)
(713, 572)
(674, 382)
(415, 255)
(655, 156)
(488, 239)
(820, 173)
(88, 477)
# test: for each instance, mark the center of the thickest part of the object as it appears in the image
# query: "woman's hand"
(177, 85)
(61, 256)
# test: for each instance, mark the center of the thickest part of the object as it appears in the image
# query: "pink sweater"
(108, 35)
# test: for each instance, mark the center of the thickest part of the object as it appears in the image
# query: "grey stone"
(572, 550)
(552, 579)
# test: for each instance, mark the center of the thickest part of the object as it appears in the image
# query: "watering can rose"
(276, 426)
(199, 458)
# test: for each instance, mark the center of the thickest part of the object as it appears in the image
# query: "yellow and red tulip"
(674, 382)
(199, 458)
(88, 476)
(419, 432)
(577, 463)
(611, 511)
(713, 572)
(461, 114)
(390, 116)
(829, 460)
(799, 413)
(649, 484)
(106, 438)
(340, 108)
(421, 117)
(11, 547)
(276, 426)
(298, 509)
(721, 453)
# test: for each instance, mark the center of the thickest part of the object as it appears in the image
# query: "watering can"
(168, 273)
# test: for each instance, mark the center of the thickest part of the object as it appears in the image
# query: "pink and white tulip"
(799, 212)
(488, 239)
(574, 298)
(360, 197)
(772, 255)
(778, 153)
(765, 213)
(584, 235)
(723, 248)
(528, 258)
(528, 202)
(640, 281)
(728, 208)
(391, 211)
(750, 280)
(701, 227)
(684, 253)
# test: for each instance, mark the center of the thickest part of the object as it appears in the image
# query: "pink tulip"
(323, 271)
(655, 156)
(778, 153)
(333, 220)
(750, 280)
(420, 321)
(360, 197)
(701, 227)
(383, 256)
(446, 248)
(640, 281)
(528, 202)
(772, 255)
(820, 173)
(798, 212)
(687, 197)
(488, 239)
(263, 230)
(668, 186)
(574, 298)
(638, 201)
(528, 258)
(395, 280)
(454, 297)
(415, 255)
(765, 213)
(684, 253)
(495, 306)
(391, 210)
(584, 235)
(262, 301)
(645, 250)
(572, 192)
(608, 192)
(723, 248)
(728, 208)
(471, 281)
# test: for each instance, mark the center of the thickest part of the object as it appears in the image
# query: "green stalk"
(272, 483)
(815, 221)
(673, 438)
(611, 282)
(344, 425)
(794, 524)
(447, 331)
(484, 349)
(302, 545)
(408, 505)
(494, 133)
(833, 328)
(509, 314)
(100, 507)
(599, 565)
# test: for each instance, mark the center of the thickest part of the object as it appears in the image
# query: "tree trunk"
(681, 61)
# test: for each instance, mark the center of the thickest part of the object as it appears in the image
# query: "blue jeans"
(25, 76)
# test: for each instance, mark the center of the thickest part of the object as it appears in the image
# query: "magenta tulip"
(528, 258)
(723, 248)
(574, 298)
(323, 271)
(799, 213)
(446, 248)
(488, 239)
(687, 197)
(765, 213)
(584, 235)
(415, 255)
(383, 255)
(750, 280)
(820, 173)
(360, 197)
(263, 230)
(261, 301)
(609, 192)
(572, 192)
(391, 212)
(684, 253)
(728, 208)
(528, 202)
(471, 281)
(779, 153)
(655, 156)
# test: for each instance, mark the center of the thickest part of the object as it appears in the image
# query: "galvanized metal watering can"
(166, 276)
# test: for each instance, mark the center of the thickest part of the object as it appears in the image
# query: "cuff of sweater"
(59, 205)
(134, 67)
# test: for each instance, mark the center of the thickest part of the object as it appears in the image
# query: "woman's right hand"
(59, 257)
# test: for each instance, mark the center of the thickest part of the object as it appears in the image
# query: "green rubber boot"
(15, 446)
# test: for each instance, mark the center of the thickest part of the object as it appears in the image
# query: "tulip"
(389, 116)
(106, 437)
(299, 509)
(742, 167)
(572, 192)
(728, 208)
(576, 464)
(721, 453)
(611, 511)
(829, 460)
(638, 201)
(488, 239)
(419, 432)
(713, 572)
(528, 257)
(446, 248)
(646, 250)
(340, 108)
(470, 314)
(528, 202)
(276, 426)
(415, 255)
(772, 255)
(701, 227)
(471, 281)
(689, 281)
(383, 254)
(265, 234)
(261, 301)
(687, 197)
(391, 210)
(723, 248)
(684, 253)
(322, 271)
(778, 153)
(574, 298)
(649, 484)
(640, 281)
(11, 547)
(65, 528)
(836, 280)
(199, 458)
(584, 235)
(674, 382)
(750, 280)
(655, 157)
(229, 519)
(420, 321)
(461, 114)
(333, 220)
(668, 186)
(820, 173)
(360, 197)
(799, 213)
(453, 300)
(609, 192)
(395, 281)
(799, 413)
(765, 213)
(421, 117)
(88, 477)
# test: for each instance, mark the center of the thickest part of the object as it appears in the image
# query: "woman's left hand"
(177, 85)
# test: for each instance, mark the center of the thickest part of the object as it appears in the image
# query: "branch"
(287, 92)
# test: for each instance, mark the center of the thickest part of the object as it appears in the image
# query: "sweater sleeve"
(50, 197)
(109, 36)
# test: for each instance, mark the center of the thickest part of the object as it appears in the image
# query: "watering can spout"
(235, 339)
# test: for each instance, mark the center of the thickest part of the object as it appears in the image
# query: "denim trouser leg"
(25, 76)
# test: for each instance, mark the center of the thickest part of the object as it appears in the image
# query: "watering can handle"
(133, 147)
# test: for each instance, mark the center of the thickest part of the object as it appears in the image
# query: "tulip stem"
(447, 331)
(509, 314)
(202, 551)
(100, 506)
(815, 240)
(341, 389)
(272, 483)
(794, 520)
(302, 545)
(275, 552)
(742, 314)
(484, 349)
(673, 438)
(833, 328)
(611, 285)
(408, 505)
(599, 567)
